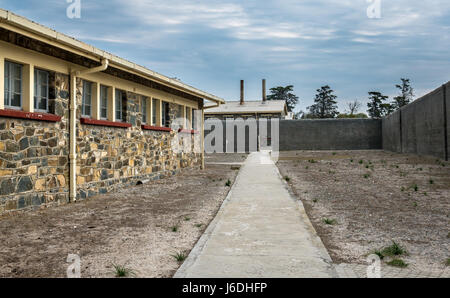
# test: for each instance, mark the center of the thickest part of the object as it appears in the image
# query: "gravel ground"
(132, 227)
(375, 198)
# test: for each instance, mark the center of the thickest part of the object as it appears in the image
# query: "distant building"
(249, 109)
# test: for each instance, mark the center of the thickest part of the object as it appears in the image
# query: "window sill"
(96, 122)
(190, 131)
(29, 115)
(156, 128)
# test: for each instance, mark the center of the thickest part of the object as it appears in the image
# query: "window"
(121, 101)
(165, 114)
(103, 102)
(41, 90)
(144, 109)
(194, 125)
(13, 85)
(155, 109)
(86, 104)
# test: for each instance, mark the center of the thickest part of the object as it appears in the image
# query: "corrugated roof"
(52, 35)
(234, 107)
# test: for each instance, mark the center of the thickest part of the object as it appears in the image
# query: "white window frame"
(144, 109)
(104, 92)
(119, 105)
(9, 90)
(84, 97)
(37, 89)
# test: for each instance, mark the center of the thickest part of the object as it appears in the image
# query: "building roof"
(66, 42)
(234, 107)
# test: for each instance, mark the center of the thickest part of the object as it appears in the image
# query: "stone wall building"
(76, 121)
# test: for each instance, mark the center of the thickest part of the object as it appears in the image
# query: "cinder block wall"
(421, 127)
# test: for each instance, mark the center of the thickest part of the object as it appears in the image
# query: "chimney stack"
(242, 92)
(264, 97)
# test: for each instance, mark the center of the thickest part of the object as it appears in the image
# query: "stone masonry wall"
(34, 155)
(110, 157)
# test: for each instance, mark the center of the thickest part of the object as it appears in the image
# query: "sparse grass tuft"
(366, 176)
(199, 225)
(174, 229)
(397, 263)
(179, 256)
(287, 178)
(329, 221)
(447, 262)
(431, 181)
(415, 187)
(379, 254)
(187, 218)
(393, 250)
(228, 183)
(122, 271)
(334, 153)
(361, 161)
(312, 161)
(315, 200)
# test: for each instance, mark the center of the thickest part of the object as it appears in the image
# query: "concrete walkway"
(259, 232)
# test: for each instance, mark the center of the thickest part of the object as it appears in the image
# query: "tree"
(353, 107)
(325, 105)
(377, 105)
(286, 94)
(353, 116)
(406, 94)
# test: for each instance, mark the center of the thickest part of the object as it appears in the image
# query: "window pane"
(15, 101)
(43, 104)
(154, 110)
(144, 109)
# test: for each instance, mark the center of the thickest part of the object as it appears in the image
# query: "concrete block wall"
(330, 134)
(421, 127)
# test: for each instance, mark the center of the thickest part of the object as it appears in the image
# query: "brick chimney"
(242, 92)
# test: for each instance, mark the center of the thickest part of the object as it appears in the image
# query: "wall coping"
(96, 122)
(191, 131)
(29, 115)
(156, 128)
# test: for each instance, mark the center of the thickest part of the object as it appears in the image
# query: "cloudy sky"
(306, 43)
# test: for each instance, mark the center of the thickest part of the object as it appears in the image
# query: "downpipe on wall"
(73, 126)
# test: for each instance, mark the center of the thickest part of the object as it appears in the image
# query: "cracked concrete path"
(261, 231)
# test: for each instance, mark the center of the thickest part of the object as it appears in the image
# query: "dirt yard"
(140, 228)
(361, 201)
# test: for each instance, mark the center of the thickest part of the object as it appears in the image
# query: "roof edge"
(15, 20)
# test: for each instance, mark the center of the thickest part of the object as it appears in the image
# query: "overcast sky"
(213, 44)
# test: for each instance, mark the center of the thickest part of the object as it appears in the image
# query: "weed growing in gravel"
(397, 263)
(174, 229)
(315, 200)
(403, 188)
(361, 161)
(415, 204)
(351, 160)
(415, 187)
(366, 176)
(312, 161)
(329, 221)
(334, 153)
(179, 256)
(307, 167)
(199, 225)
(228, 183)
(187, 218)
(447, 262)
(122, 271)
(393, 250)
(287, 178)
(431, 181)
(379, 254)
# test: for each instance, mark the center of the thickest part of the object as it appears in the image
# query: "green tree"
(377, 105)
(406, 94)
(353, 116)
(284, 93)
(325, 105)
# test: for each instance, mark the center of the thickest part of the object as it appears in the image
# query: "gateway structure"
(76, 121)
